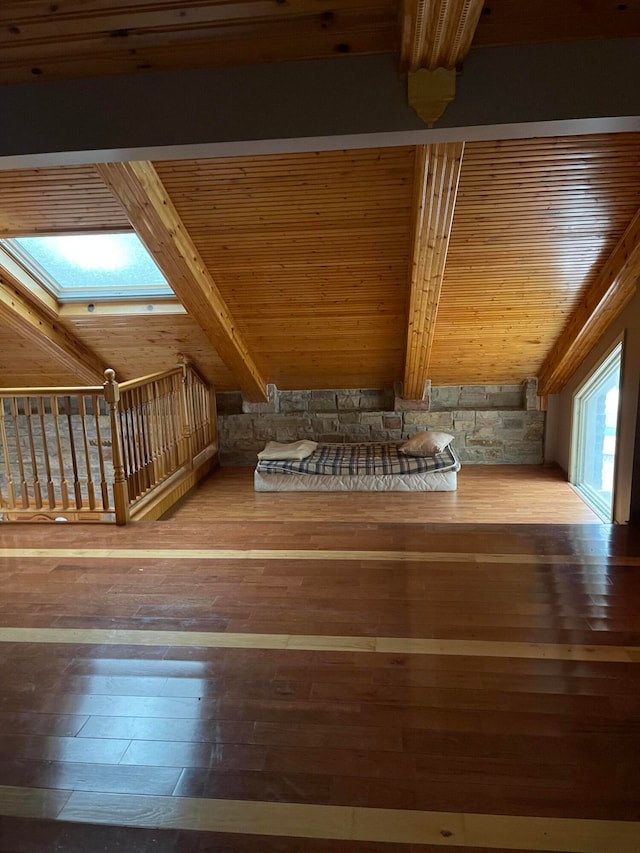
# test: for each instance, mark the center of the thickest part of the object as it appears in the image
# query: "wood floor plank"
(382, 645)
(486, 493)
(387, 672)
(358, 824)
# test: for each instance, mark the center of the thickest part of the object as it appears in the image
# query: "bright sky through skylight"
(95, 261)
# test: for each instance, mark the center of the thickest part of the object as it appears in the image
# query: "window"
(76, 267)
(593, 445)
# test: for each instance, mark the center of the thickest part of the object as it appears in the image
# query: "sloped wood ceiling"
(535, 222)
(62, 199)
(24, 364)
(310, 252)
(137, 345)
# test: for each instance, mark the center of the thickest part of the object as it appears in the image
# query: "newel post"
(120, 488)
(187, 429)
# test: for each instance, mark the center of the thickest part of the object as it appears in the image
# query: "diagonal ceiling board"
(535, 221)
(437, 33)
(63, 348)
(437, 174)
(613, 288)
(152, 214)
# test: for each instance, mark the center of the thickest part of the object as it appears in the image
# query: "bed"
(370, 467)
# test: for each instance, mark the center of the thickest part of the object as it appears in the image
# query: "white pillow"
(426, 443)
(296, 450)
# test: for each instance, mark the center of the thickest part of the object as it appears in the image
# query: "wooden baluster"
(91, 495)
(120, 495)
(104, 487)
(180, 435)
(37, 492)
(172, 427)
(64, 490)
(151, 392)
(186, 435)
(77, 490)
(166, 425)
(127, 458)
(24, 491)
(51, 492)
(129, 443)
(11, 492)
(142, 440)
(134, 447)
(159, 423)
(212, 413)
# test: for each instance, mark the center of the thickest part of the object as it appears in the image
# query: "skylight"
(91, 266)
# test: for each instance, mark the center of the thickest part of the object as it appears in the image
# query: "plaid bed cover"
(342, 459)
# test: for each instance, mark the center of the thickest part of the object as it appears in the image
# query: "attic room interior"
(351, 224)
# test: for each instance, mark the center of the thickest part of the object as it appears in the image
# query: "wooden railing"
(105, 453)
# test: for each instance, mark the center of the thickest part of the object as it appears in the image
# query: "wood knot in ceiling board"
(343, 48)
(326, 18)
(119, 34)
(15, 31)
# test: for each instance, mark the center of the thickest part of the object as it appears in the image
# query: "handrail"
(102, 452)
(54, 391)
(151, 377)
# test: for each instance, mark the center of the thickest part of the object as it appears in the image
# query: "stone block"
(357, 432)
(349, 417)
(530, 393)
(445, 396)
(294, 401)
(403, 405)
(506, 399)
(464, 419)
(237, 425)
(271, 406)
(319, 425)
(488, 418)
(421, 418)
(371, 419)
(392, 422)
(477, 441)
(481, 455)
(348, 401)
(386, 435)
(440, 421)
(513, 423)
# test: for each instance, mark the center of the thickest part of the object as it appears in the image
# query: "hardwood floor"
(523, 494)
(319, 687)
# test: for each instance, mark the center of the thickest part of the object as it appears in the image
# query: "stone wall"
(502, 427)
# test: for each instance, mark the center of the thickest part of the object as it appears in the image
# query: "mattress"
(359, 468)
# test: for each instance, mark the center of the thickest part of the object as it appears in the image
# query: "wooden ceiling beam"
(152, 214)
(605, 299)
(63, 348)
(437, 173)
(437, 33)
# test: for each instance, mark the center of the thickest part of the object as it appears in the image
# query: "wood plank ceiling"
(311, 253)
(80, 38)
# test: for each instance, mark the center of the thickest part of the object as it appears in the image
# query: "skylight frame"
(103, 293)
